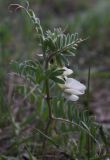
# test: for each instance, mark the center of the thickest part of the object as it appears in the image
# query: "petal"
(67, 71)
(74, 84)
(71, 97)
(74, 91)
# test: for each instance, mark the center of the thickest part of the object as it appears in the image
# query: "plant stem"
(48, 98)
(74, 123)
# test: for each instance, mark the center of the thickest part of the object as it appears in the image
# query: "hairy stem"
(78, 125)
(48, 98)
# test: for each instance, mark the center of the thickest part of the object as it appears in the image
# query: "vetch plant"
(46, 72)
(56, 47)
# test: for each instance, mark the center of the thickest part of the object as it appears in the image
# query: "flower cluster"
(72, 88)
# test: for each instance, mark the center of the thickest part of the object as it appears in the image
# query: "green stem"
(76, 124)
(48, 99)
(47, 137)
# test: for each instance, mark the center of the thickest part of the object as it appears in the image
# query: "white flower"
(72, 88)
(71, 97)
(67, 71)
